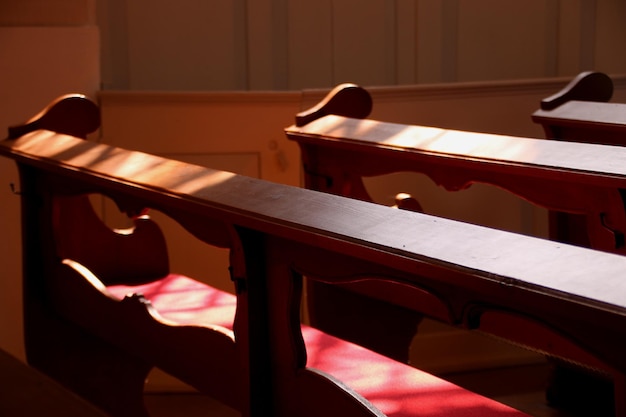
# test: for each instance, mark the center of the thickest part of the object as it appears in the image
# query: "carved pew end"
(587, 86)
(348, 100)
(70, 114)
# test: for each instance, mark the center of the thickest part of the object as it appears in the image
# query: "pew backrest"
(587, 179)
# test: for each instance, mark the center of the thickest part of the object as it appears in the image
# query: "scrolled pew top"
(586, 86)
(71, 114)
(581, 112)
(349, 100)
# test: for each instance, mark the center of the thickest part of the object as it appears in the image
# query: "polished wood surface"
(576, 178)
(465, 275)
(581, 112)
(588, 86)
(572, 177)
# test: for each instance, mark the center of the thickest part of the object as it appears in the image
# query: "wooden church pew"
(102, 307)
(580, 112)
(340, 148)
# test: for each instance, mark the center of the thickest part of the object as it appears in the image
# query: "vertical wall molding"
(587, 29)
(391, 40)
(406, 42)
(112, 19)
(449, 40)
(552, 22)
(294, 44)
(279, 54)
(241, 44)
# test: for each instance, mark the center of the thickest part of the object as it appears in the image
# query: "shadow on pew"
(100, 312)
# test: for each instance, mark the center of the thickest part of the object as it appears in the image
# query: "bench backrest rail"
(577, 178)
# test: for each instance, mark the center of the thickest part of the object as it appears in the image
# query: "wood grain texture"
(359, 228)
(279, 233)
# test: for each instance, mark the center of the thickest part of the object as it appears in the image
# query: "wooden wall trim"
(147, 97)
(478, 89)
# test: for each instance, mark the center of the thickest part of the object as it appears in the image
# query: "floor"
(520, 387)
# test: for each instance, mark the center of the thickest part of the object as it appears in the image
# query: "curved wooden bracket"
(71, 114)
(348, 100)
(587, 86)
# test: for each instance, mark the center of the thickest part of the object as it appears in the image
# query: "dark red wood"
(585, 181)
(581, 113)
(71, 114)
(348, 100)
(82, 329)
(587, 86)
(460, 273)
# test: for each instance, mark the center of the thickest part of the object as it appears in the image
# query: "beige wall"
(295, 44)
(46, 49)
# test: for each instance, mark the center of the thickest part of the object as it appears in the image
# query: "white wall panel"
(610, 38)
(406, 42)
(569, 51)
(430, 32)
(588, 26)
(267, 44)
(296, 44)
(363, 41)
(188, 44)
(501, 39)
(310, 44)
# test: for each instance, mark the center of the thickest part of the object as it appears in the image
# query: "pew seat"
(394, 388)
(182, 300)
